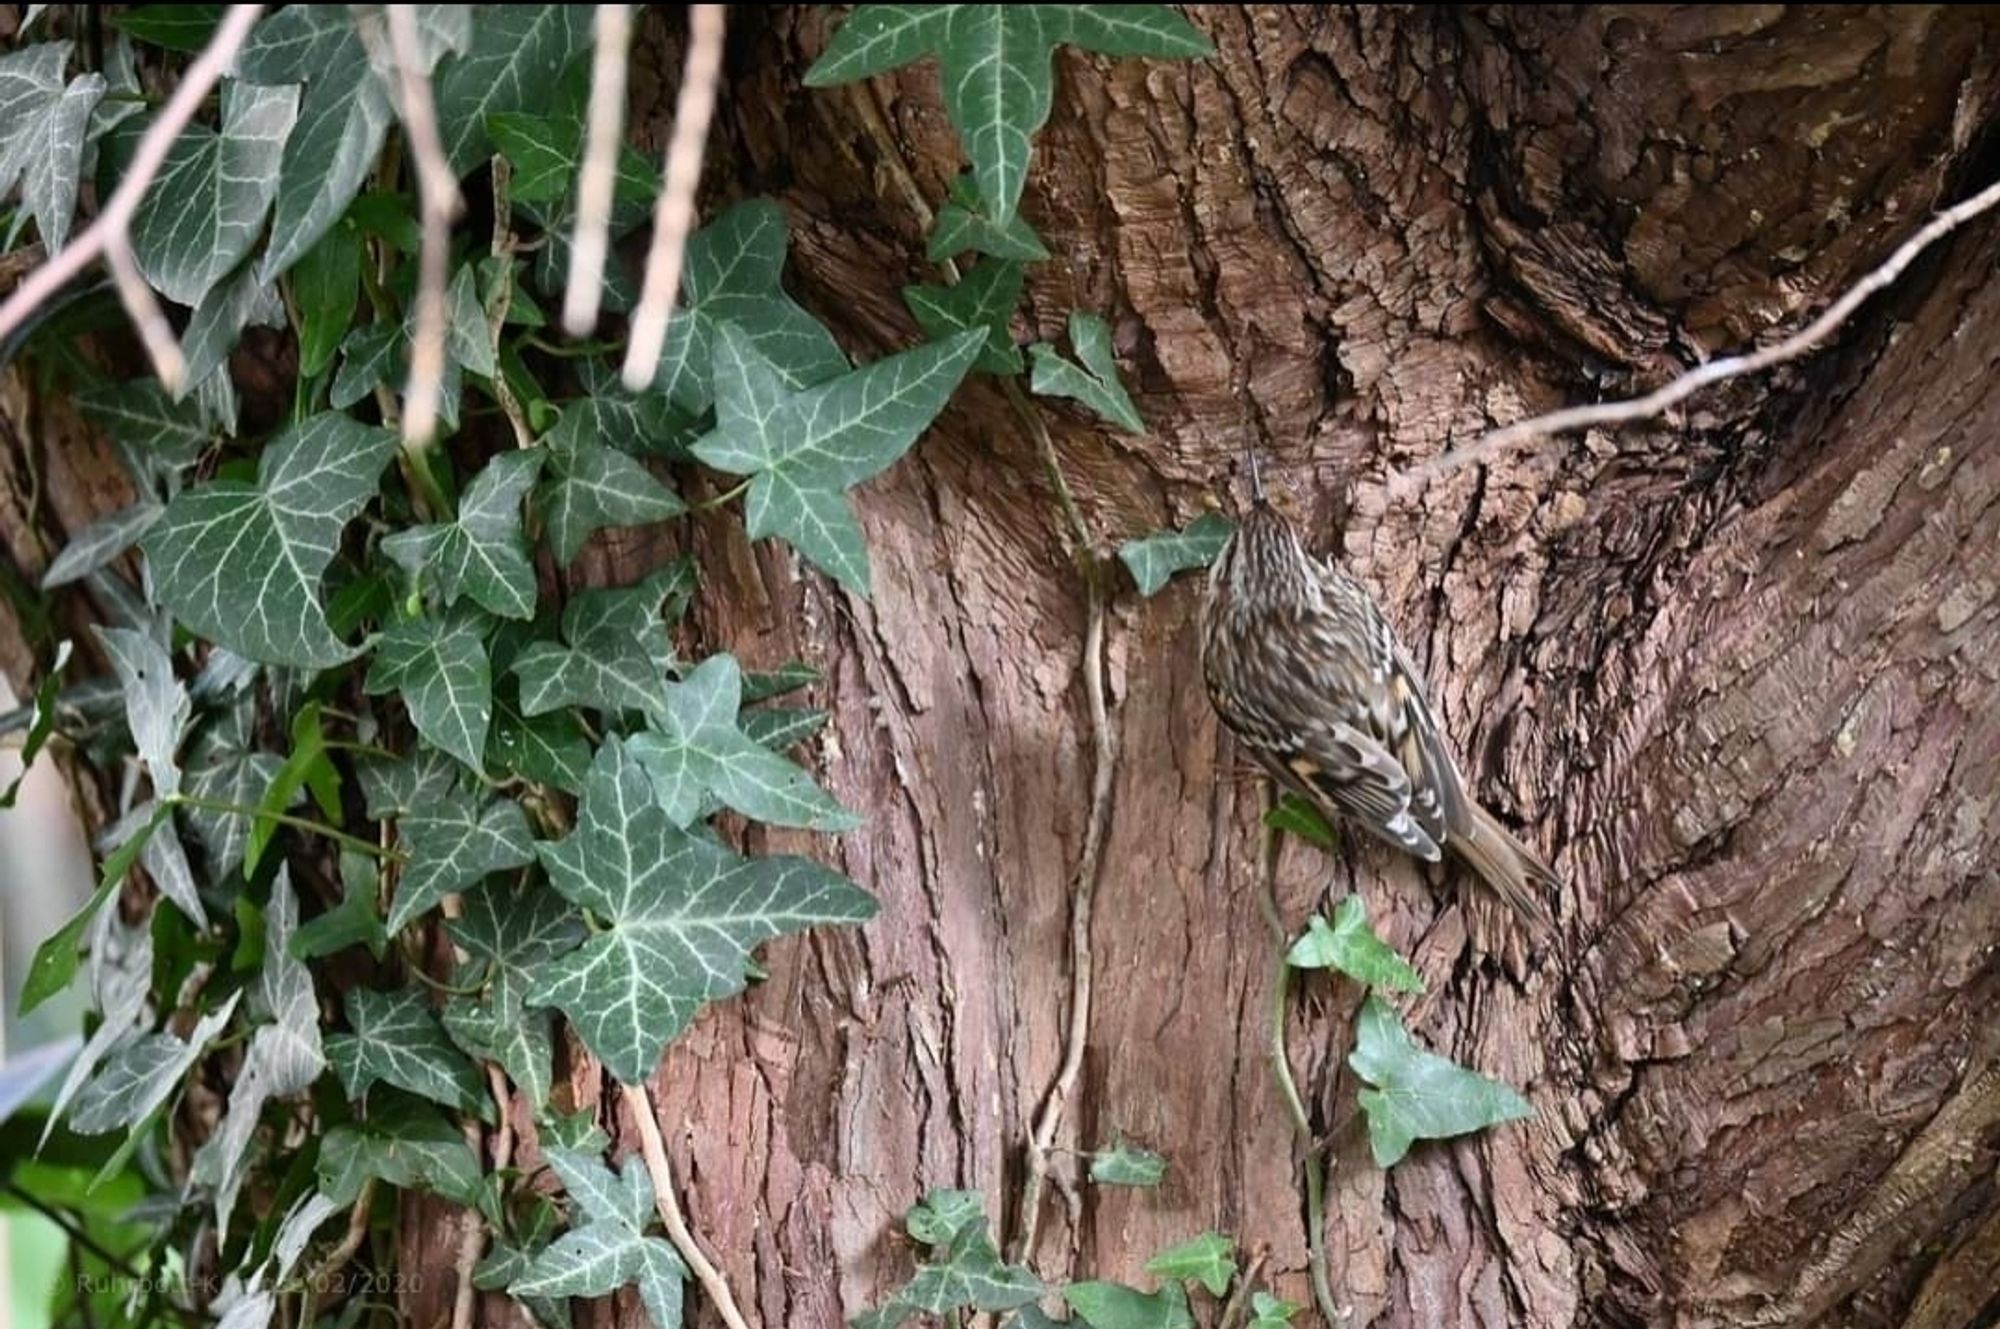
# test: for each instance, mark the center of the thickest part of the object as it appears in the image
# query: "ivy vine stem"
(305, 824)
(654, 1149)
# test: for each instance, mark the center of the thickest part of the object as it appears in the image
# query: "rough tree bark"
(1737, 672)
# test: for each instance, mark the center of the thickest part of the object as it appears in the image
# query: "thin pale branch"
(654, 1149)
(110, 235)
(437, 193)
(599, 177)
(674, 217)
(1715, 371)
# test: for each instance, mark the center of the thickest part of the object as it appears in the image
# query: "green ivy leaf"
(507, 1260)
(984, 299)
(993, 63)
(142, 1075)
(453, 842)
(54, 962)
(324, 287)
(240, 563)
(962, 224)
(550, 748)
(218, 322)
(1351, 946)
(592, 486)
(680, 917)
(805, 449)
(224, 767)
(41, 723)
(547, 154)
(732, 276)
(606, 1246)
(1267, 1312)
(391, 788)
(1096, 384)
(1209, 1259)
(157, 435)
(43, 123)
(970, 1272)
(481, 554)
(397, 1040)
(616, 655)
(517, 56)
(207, 207)
(368, 355)
(943, 1214)
(1154, 559)
(1295, 816)
(185, 28)
(469, 338)
(1127, 1165)
(509, 936)
(576, 1130)
(1112, 1306)
(695, 748)
(406, 1143)
(156, 704)
(355, 921)
(1419, 1095)
(306, 768)
(781, 728)
(789, 677)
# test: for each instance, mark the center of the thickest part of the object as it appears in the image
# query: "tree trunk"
(1734, 671)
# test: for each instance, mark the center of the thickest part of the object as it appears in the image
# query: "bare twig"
(1715, 371)
(437, 193)
(110, 235)
(668, 1203)
(1238, 1305)
(472, 1242)
(599, 177)
(674, 217)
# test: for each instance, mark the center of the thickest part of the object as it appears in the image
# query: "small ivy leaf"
(549, 749)
(509, 935)
(616, 655)
(101, 543)
(777, 682)
(604, 1254)
(680, 917)
(1295, 816)
(547, 154)
(507, 1260)
(341, 122)
(440, 669)
(121, 987)
(1210, 1259)
(1154, 559)
(43, 128)
(355, 921)
(307, 768)
(971, 1274)
(993, 63)
(453, 842)
(406, 1143)
(157, 436)
(592, 486)
(985, 299)
(184, 28)
(156, 704)
(1127, 1165)
(1113, 1306)
(206, 209)
(944, 1214)
(367, 355)
(143, 1075)
(1351, 946)
(163, 857)
(1267, 1312)
(41, 723)
(218, 323)
(804, 450)
(962, 224)
(514, 63)
(732, 277)
(394, 787)
(694, 747)
(645, 423)
(1096, 384)
(54, 962)
(576, 1130)
(285, 1056)
(781, 728)
(325, 283)
(1419, 1095)
(482, 553)
(240, 563)
(397, 1040)
(469, 338)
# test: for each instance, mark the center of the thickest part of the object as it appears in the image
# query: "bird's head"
(1264, 564)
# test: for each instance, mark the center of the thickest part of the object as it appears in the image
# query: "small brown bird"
(1304, 668)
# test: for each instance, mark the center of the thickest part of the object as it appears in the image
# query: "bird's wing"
(1437, 791)
(1354, 774)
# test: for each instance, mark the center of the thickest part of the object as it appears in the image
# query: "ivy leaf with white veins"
(405, 1142)
(143, 1075)
(732, 276)
(804, 450)
(390, 788)
(1096, 384)
(968, 1272)
(591, 486)
(606, 1246)
(240, 563)
(440, 668)
(218, 322)
(695, 747)
(341, 123)
(993, 64)
(984, 299)
(156, 704)
(547, 155)
(509, 934)
(680, 916)
(1114, 1306)
(453, 842)
(550, 748)
(157, 436)
(1155, 558)
(1419, 1095)
(481, 554)
(1210, 1259)
(101, 543)
(962, 224)
(206, 209)
(1127, 1165)
(397, 1039)
(517, 55)
(43, 124)
(616, 654)
(1351, 946)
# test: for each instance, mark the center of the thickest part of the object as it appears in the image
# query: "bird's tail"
(1512, 869)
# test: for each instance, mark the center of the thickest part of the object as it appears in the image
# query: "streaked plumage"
(1305, 669)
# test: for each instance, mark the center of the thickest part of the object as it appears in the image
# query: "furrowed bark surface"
(1735, 672)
